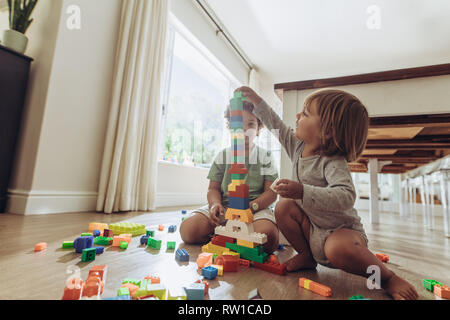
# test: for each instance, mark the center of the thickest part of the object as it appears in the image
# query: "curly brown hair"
(345, 117)
(248, 106)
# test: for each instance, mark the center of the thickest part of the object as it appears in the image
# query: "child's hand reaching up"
(250, 95)
(289, 189)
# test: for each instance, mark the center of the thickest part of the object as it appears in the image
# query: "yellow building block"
(212, 248)
(245, 216)
(232, 253)
(244, 243)
(176, 294)
(219, 269)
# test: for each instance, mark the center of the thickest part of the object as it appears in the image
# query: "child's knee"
(285, 209)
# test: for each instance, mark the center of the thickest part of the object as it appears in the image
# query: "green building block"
(123, 245)
(238, 95)
(238, 176)
(182, 219)
(256, 254)
(236, 104)
(429, 284)
(150, 233)
(88, 254)
(103, 241)
(87, 234)
(171, 245)
(133, 281)
(67, 245)
(214, 257)
(123, 292)
(153, 243)
(135, 229)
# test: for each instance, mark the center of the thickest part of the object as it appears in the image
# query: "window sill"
(169, 163)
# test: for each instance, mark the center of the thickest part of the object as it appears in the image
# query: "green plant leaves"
(19, 14)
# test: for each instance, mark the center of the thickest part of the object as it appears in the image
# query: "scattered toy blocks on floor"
(209, 272)
(135, 229)
(182, 255)
(160, 227)
(314, 287)
(204, 259)
(442, 291)
(103, 241)
(72, 291)
(429, 284)
(88, 254)
(108, 233)
(154, 244)
(100, 271)
(172, 228)
(382, 257)
(195, 291)
(96, 233)
(97, 226)
(171, 245)
(117, 240)
(67, 245)
(358, 297)
(83, 243)
(40, 246)
(123, 245)
(150, 233)
(206, 285)
(153, 279)
(99, 250)
(87, 234)
(123, 291)
(219, 269)
(144, 240)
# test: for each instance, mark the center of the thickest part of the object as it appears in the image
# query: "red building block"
(40, 246)
(242, 191)
(108, 233)
(442, 291)
(272, 267)
(221, 240)
(237, 168)
(229, 262)
(382, 257)
(93, 286)
(99, 271)
(72, 291)
(244, 263)
(236, 113)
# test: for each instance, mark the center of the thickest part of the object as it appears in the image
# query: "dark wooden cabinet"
(14, 72)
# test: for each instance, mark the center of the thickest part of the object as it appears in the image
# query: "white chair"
(444, 177)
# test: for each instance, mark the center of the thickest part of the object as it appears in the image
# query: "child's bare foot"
(300, 261)
(400, 289)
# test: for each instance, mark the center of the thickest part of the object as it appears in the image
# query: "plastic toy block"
(314, 287)
(244, 215)
(183, 211)
(108, 233)
(256, 254)
(358, 297)
(117, 240)
(103, 241)
(83, 243)
(236, 105)
(239, 203)
(442, 291)
(99, 250)
(67, 245)
(150, 233)
(144, 240)
(242, 191)
(242, 232)
(123, 245)
(160, 227)
(40, 246)
(236, 118)
(281, 247)
(153, 279)
(171, 245)
(204, 259)
(176, 294)
(97, 226)
(237, 168)
(382, 257)
(238, 95)
(429, 284)
(244, 243)
(221, 240)
(153, 243)
(87, 234)
(135, 229)
(206, 286)
(123, 291)
(212, 248)
(126, 236)
(99, 271)
(126, 297)
(236, 113)
(182, 219)
(254, 295)
(136, 282)
(182, 255)
(272, 258)
(273, 267)
(73, 288)
(238, 177)
(92, 287)
(88, 254)
(195, 291)
(172, 228)
(96, 233)
(244, 263)
(209, 272)
(158, 290)
(232, 253)
(229, 263)
(219, 269)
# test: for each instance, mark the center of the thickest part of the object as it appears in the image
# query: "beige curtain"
(129, 168)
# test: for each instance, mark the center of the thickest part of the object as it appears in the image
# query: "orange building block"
(442, 291)
(382, 257)
(40, 246)
(117, 240)
(153, 279)
(314, 287)
(204, 260)
(160, 227)
(72, 291)
(273, 258)
(127, 236)
(93, 286)
(99, 271)
(132, 287)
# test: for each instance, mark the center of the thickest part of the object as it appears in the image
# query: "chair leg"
(445, 194)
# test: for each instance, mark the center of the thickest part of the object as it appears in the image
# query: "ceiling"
(294, 40)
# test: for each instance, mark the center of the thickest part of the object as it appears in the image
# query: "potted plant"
(19, 21)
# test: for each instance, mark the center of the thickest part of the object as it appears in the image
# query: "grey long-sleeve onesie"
(328, 190)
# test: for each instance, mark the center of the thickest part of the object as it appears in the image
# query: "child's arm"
(272, 121)
(266, 198)
(215, 201)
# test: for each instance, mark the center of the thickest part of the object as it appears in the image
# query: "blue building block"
(238, 203)
(181, 255)
(99, 250)
(238, 147)
(144, 239)
(96, 233)
(81, 243)
(237, 119)
(195, 291)
(172, 228)
(209, 272)
(281, 246)
(183, 211)
(236, 124)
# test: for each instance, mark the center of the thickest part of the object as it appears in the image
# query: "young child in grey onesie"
(316, 213)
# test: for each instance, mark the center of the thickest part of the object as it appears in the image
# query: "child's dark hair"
(248, 106)
(344, 117)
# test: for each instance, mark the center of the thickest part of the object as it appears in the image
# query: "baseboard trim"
(24, 202)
